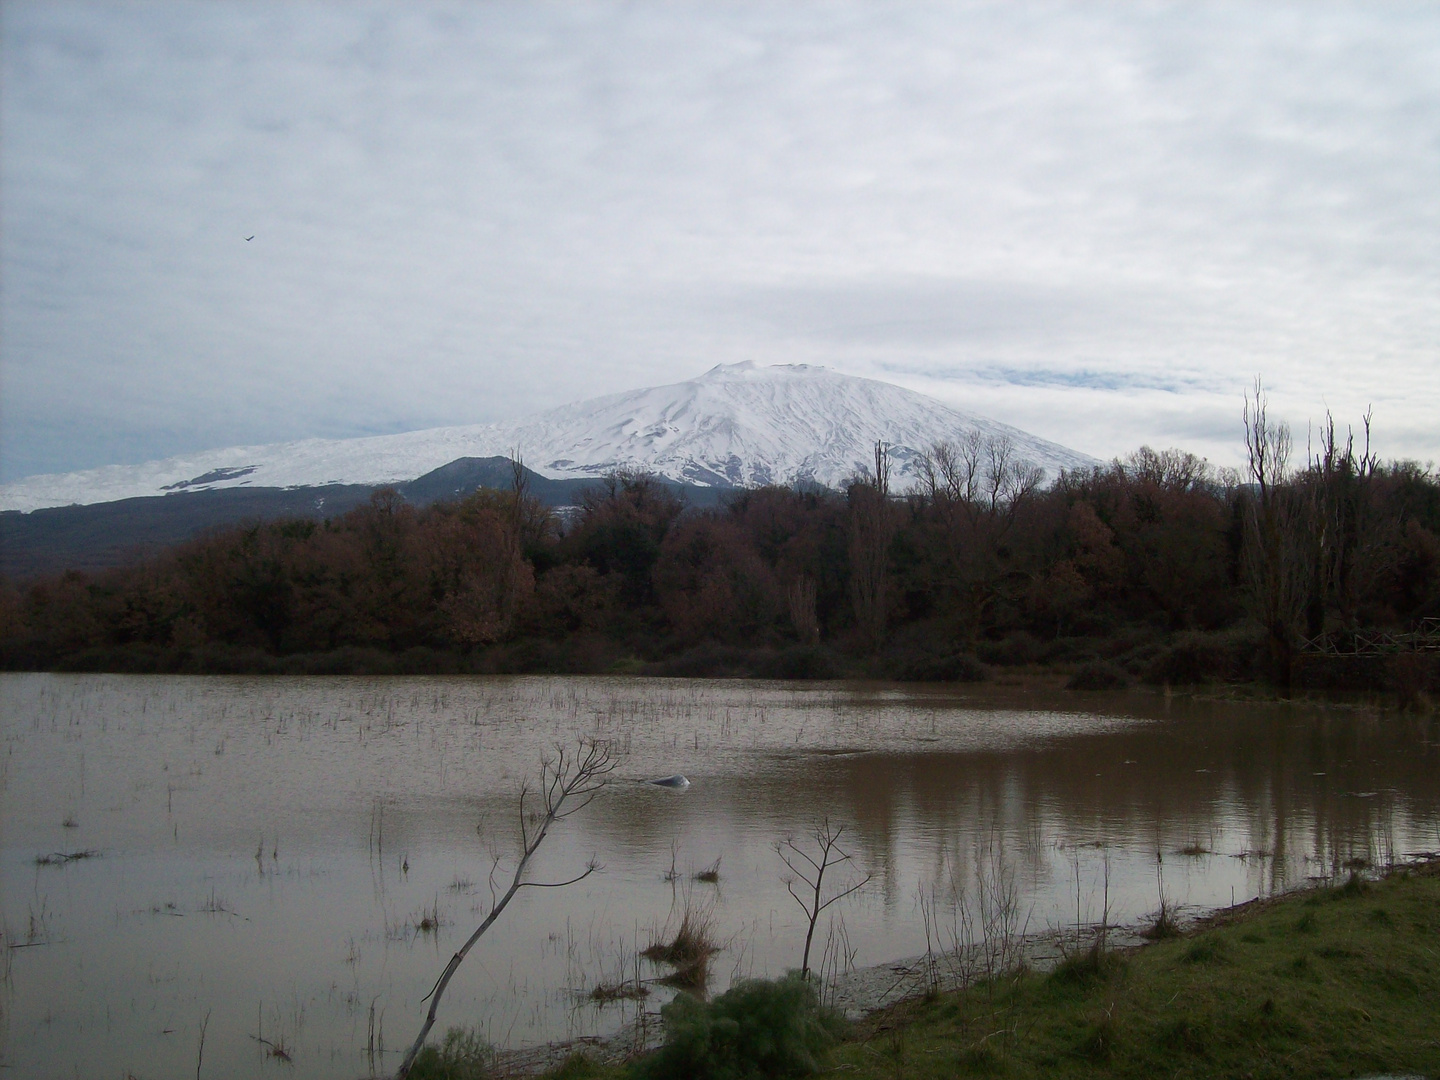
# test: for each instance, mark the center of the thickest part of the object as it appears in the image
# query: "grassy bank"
(1336, 982)
(1331, 982)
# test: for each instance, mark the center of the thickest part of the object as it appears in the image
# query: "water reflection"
(297, 858)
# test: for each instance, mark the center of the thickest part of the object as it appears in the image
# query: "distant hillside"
(735, 426)
(112, 533)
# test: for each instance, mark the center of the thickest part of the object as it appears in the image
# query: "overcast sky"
(1097, 222)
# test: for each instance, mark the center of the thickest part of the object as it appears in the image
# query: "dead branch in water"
(568, 782)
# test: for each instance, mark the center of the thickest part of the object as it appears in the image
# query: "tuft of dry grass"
(692, 976)
(428, 920)
(693, 941)
(1164, 924)
(604, 993)
(711, 874)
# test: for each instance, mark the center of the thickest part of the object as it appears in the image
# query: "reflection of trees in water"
(1278, 794)
(1297, 796)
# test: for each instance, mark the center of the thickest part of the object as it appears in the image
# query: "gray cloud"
(1097, 222)
(929, 313)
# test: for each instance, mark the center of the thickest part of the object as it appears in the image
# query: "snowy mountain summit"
(737, 425)
(740, 425)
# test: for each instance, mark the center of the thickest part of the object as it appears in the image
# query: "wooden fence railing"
(1424, 638)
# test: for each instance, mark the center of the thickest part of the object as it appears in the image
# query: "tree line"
(1157, 565)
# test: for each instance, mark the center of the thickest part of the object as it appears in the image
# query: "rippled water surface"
(261, 855)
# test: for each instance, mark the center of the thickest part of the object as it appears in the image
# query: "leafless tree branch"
(829, 854)
(568, 781)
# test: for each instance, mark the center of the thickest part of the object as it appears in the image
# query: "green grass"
(462, 1055)
(1341, 982)
(1329, 983)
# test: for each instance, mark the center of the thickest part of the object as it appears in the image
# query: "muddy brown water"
(262, 854)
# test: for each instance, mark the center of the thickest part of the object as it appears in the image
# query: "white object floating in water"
(676, 781)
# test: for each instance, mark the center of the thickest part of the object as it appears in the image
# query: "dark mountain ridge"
(102, 535)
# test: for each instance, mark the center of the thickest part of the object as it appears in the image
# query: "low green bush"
(1086, 968)
(755, 1029)
(462, 1055)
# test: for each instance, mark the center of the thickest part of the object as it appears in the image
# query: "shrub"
(1164, 924)
(578, 1066)
(463, 1055)
(689, 951)
(956, 667)
(1069, 650)
(1087, 967)
(1204, 952)
(1098, 675)
(1190, 1036)
(1099, 1039)
(1017, 648)
(803, 662)
(754, 1029)
(1197, 657)
(1355, 885)
(708, 660)
(1136, 661)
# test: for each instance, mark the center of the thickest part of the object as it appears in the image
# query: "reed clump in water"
(689, 949)
(429, 920)
(693, 940)
(604, 993)
(692, 977)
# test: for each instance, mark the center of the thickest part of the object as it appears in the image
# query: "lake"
(289, 862)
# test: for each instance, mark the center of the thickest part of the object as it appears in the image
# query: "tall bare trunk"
(872, 527)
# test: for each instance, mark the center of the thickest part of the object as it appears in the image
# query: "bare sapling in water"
(568, 782)
(1164, 925)
(809, 870)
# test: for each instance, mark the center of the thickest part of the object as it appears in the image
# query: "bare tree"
(530, 519)
(950, 471)
(982, 476)
(802, 609)
(520, 490)
(568, 782)
(810, 870)
(973, 490)
(882, 468)
(872, 528)
(1008, 479)
(1170, 470)
(1351, 540)
(1274, 526)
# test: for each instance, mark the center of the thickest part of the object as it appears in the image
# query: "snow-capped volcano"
(737, 425)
